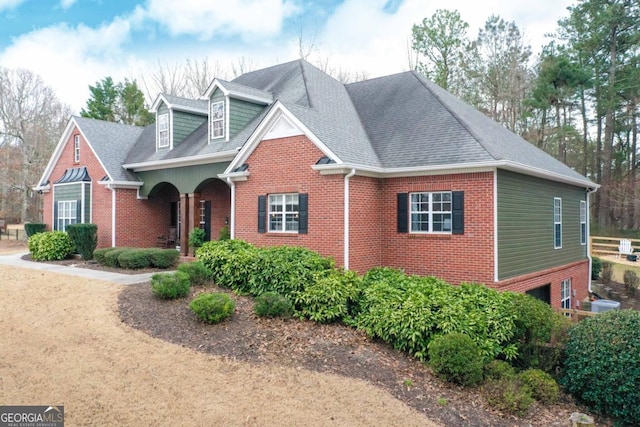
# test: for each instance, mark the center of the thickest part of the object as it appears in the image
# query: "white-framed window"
(163, 130)
(565, 293)
(557, 222)
(284, 215)
(67, 214)
(583, 222)
(203, 210)
(217, 119)
(76, 148)
(430, 212)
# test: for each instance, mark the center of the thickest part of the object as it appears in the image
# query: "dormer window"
(217, 120)
(163, 130)
(76, 148)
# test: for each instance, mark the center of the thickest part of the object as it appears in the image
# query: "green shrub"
(85, 239)
(163, 258)
(509, 394)
(497, 369)
(133, 258)
(196, 237)
(50, 246)
(330, 298)
(230, 261)
(543, 386)
(212, 308)
(631, 281)
(596, 268)
(170, 285)
(456, 358)
(111, 257)
(271, 304)
(602, 366)
(224, 234)
(33, 228)
(197, 271)
(99, 254)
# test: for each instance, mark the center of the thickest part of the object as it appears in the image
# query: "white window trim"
(160, 131)
(202, 213)
(557, 220)
(221, 120)
(583, 222)
(283, 213)
(565, 293)
(430, 212)
(76, 149)
(64, 206)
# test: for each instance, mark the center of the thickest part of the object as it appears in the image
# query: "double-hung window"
(583, 222)
(284, 215)
(163, 130)
(431, 212)
(565, 293)
(76, 148)
(557, 223)
(217, 119)
(67, 214)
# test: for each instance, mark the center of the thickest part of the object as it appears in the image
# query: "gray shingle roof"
(245, 90)
(111, 142)
(186, 103)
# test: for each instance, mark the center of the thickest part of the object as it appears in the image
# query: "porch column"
(194, 215)
(184, 224)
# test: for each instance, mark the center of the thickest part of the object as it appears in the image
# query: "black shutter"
(403, 212)
(457, 211)
(55, 216)
(262, 214)
(303, 209)
(78, 211)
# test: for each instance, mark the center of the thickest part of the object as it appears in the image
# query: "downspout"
(113, 216)
(589, 245)
(232, 220)
(346, 217)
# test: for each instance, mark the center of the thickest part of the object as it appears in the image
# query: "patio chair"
(624, 248)
(168, 240)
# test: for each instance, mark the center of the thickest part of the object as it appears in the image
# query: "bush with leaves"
(271, 304)
(33, 228)
(602, 366)
(544, 387)
(212, 307)
(224, 234)
(231, 262)
(111, 257)
(50, 246)
(85, 238)
(196, 237)
(509, 394)
(133, 258)
(199, 273)
(170, 285)
(498, 369)
(596, 268)
(330, 298)
(100, 254)
(456, 358)
(163, 258)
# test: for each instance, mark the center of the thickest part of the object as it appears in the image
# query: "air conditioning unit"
(600, 305)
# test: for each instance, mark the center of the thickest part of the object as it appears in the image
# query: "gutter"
(346, 218)
(232, 220)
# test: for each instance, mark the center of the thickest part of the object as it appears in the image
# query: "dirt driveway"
(62, 343)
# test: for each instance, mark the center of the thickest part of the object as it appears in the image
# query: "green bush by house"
(199, 273)
(170, 285)
(32, 228)
(271, 304)
(50, 246)
(85, 239)
(456, 358)
(213, 308)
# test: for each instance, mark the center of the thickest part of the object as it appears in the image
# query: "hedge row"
(136, 258)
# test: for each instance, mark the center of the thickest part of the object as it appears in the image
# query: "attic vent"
(105, 178)
(324, 160)
(242, 168)
(74, 175)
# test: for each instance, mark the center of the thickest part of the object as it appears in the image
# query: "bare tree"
(31, 120)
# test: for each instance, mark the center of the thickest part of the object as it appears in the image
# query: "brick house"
(392, 171)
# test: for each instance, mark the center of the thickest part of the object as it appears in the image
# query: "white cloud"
(10, 4)
(71, 58)
(66, 4)
(247, 18)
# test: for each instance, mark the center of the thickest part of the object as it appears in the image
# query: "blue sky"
(74, 43)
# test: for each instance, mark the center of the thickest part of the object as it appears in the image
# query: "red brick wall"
(219, 193)
(284, 166)
(468, 257)
(365, 223)
(140, 222)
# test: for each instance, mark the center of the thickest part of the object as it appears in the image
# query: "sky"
(72, 44)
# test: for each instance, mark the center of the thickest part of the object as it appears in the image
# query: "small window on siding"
(557, 222)
(76, 148)
(565, 293)
(583, 222)
(217, 120)
(163, 130)
(67, 213)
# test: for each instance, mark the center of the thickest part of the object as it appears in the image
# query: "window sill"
(282, 234)
(442, 236)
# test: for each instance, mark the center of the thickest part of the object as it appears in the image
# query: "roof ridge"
(455, 115)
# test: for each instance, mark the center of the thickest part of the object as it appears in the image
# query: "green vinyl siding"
(68, 192)
(525, 224)
(185, 179)
(240, 114)
(184, 124)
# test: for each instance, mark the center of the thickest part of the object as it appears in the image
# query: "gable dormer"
(176, 118)
(231, 107)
